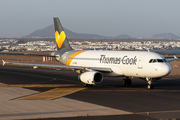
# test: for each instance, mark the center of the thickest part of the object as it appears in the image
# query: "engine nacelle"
(156, 79)
(91, 78)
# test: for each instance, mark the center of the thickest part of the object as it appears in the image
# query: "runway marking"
(51, 94)
(37, 85)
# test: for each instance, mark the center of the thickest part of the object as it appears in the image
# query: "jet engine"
(91, 78)
(156, 79)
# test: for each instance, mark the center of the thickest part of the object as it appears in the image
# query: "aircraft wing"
(28, 54)
(177, 52)
(169, 59)
(172, 59)
(101, 69)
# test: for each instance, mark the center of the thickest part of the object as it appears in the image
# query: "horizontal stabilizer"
(27, 54)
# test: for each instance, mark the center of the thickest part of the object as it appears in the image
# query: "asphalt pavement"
(28, 93)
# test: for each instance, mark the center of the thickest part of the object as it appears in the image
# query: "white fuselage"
(124, 63)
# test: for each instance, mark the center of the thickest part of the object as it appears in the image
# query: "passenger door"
(140, 62)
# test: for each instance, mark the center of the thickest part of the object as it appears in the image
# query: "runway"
(28, 93)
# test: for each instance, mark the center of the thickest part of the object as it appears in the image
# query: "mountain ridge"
(48, 32)
(165, 36)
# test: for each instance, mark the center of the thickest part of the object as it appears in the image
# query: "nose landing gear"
(150, 86)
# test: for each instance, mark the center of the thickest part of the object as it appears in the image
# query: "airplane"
(94, 65)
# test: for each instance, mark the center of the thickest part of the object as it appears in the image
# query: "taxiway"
(28, 93)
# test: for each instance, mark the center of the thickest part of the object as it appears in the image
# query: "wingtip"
(175, 56)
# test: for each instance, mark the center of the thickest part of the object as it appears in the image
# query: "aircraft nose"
(166, 69)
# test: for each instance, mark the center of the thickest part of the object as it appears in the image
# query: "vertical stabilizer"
(60, 37)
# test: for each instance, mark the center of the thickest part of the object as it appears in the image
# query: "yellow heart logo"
(60, 38)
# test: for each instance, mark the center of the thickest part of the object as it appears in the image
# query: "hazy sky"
(137, 18)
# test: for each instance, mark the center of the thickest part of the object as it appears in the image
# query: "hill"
(48, 32)
(123, 36)
(165, 36)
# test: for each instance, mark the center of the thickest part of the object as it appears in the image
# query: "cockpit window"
(164, 60)
(160, 60)
(157, 60)
(151, 61)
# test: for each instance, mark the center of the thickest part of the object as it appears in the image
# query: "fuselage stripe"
(68, 62)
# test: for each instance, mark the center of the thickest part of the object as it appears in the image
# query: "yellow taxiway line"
(51, 94)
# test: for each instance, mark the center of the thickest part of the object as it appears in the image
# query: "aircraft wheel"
(129, 82)
(124, 81)
(150, 87)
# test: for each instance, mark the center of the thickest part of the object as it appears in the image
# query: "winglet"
(175, 56)
(3, 62)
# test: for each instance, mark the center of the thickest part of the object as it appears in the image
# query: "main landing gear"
(150, 86)
(126, 81)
